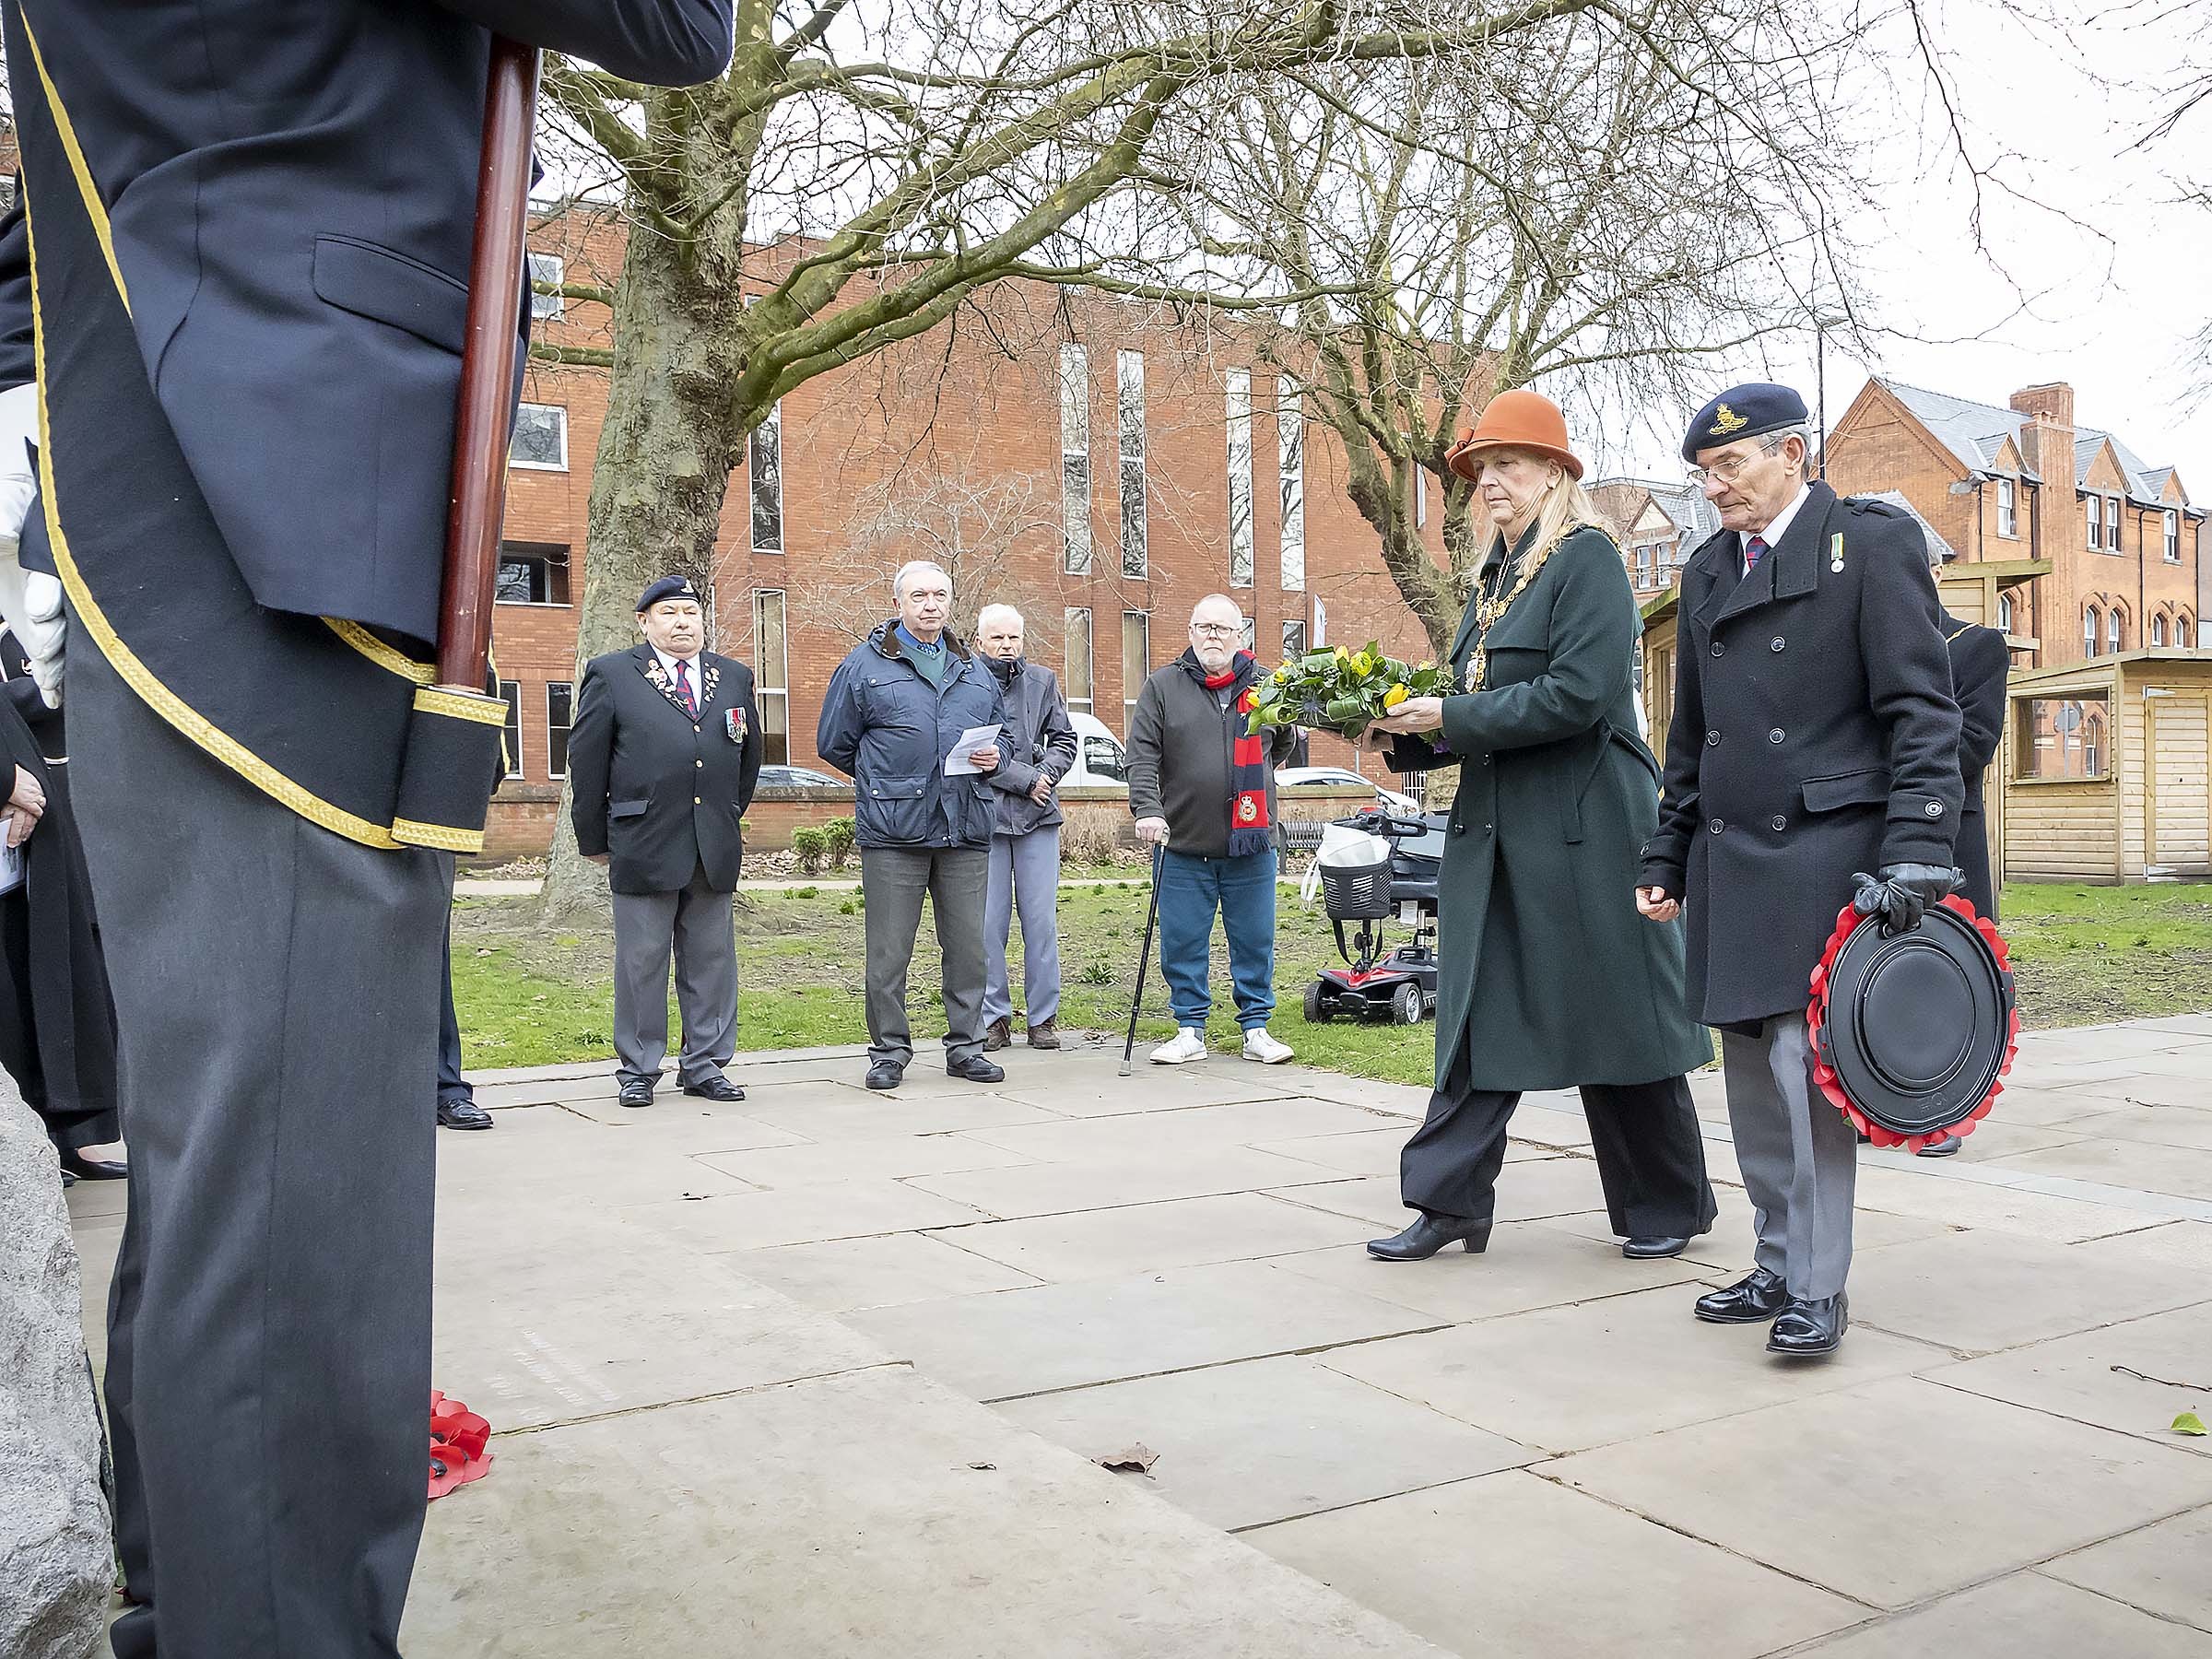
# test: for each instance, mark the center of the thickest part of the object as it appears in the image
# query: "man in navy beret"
(662, 762)
(1814, 738)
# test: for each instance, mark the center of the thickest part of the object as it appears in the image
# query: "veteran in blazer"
(663, 760)
(1813, 762)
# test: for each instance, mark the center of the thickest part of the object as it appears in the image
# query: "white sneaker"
(1189, 1044)
(1264, 1049)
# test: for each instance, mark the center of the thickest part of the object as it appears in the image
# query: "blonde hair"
(1564, 505)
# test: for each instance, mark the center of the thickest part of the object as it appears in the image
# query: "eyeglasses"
(1728, 468)
(1220, 630)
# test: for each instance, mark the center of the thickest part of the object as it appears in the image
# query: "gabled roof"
(1693, 517)
(2140, 486)
(1975, 432)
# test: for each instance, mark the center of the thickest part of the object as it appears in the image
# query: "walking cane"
(1143, 957)
(484, 412)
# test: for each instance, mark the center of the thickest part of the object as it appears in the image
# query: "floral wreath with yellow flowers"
(1342, 690)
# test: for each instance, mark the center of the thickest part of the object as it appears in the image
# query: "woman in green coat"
(1550, 979)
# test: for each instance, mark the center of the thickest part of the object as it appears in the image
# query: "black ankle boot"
(1427, 1235)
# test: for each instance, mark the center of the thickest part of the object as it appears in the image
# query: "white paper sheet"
(974, 737)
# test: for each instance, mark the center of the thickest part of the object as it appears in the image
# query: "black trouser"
(269, 1341)
(1650, 1156)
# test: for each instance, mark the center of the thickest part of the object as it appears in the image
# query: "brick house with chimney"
(1137, 465)
(1657, 525)
(2024, 482)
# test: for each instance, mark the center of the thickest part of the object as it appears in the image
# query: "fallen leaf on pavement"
(1139, 1457)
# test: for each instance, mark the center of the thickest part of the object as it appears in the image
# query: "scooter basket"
(1357, 892)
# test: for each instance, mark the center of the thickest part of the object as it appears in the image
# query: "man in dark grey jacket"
(1025, 846)
(897, 719)
(1202, 789)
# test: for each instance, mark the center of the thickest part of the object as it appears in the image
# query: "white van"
(1101, 762)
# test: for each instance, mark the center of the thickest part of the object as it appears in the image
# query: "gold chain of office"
(1488, 609)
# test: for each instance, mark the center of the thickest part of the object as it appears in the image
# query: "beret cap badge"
(1726, 420)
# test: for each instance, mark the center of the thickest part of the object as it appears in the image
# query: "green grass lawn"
(531, 997)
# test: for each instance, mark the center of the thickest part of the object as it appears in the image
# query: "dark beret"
(667, 587)
(1751, 410)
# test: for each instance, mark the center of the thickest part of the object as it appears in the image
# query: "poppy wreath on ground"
(459, 1445)
(1839, 1051)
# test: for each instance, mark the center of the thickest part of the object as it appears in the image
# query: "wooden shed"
(2108, 769)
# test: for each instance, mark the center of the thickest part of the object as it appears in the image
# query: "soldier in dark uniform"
(662, 762)
(249, 229)
(1815, 739)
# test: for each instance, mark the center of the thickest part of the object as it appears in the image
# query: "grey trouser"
(1799, 1154)
(1025, 872)
(695, 922)
(276, 1000)
(893, 880)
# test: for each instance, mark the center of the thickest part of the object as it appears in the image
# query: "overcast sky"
(2109, 304)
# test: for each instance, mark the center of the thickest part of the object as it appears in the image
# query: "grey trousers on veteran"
(694, 924)
(1799, 1154)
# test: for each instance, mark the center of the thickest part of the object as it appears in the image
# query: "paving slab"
(2162, 1570)
(1025, 1342)
(848, 1209)
(1993, 1140)
(1167, 1133)
(838, 1276)
(1529, 1189)
(827, 1112)
(1963, 1290)
(1243, 1445)
(2180, 1171)
(1824, 1489)
(1586, 1375)
(1374, 1151)
(2183, 1092)
(1724, 1254)
(1065, 1188)
(1533, 1265)
(1145, 1238)
(1960, 1202)
(2169, 1370)
(2164, 1125)
(2188, 1244)
(887, 1157)
(1511, 1565)
(549, 1146)
(1097, 1091)
(847, 1518)
(2046, 1106)
(2019, 1616)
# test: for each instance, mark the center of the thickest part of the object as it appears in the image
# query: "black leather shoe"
(976, 1069)
(1940, 1148)
(635, 1094)
(1427, 1235)
(1806, 1330)
(1759, 1295)
(883, 1075)
(94, 1168)
(715, 1088)
(457, 1113)
(1644, 1250)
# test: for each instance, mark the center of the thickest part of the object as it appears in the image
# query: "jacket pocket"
(387, 287)
(893, 811)
(1865, 788)
(626, 810)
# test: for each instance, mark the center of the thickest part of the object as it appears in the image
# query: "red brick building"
(1657, 524)
(2024, 482)
(1086, 460)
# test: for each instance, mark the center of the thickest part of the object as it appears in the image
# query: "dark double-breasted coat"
(1548, 977)
(1814, 736)
(1980, 664)
(654, 787)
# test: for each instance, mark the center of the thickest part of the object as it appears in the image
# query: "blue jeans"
(1190, 889)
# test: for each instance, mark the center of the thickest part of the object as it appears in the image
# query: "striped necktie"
(683, 688)
(1753, 550)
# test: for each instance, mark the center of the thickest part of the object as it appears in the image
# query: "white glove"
(30, 601)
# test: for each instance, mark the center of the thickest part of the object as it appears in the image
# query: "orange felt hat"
(1522, 420)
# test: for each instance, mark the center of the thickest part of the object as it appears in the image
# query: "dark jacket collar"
(885, 639)
(1790, 569)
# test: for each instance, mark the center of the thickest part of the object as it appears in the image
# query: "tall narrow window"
(2112, 524)
(1240, 477)
(1294, 639)
(510, 740)
(2181, 633)
(560, 702)
(2004, 613)
(764, 467)
(2170, 522)
(1129, 426)
(771, 677)
(1137, 661)
(2008, 515)
(2092, 621)
(1420, 498)
(546, 268)
(2111, 630)
(2094, 507)
(2157, 630)
(1290, 443)
(1075, 662)
(1075, 460)
(1249, 638)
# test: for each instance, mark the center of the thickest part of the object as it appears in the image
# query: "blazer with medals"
(1814, 736)
(659, 791)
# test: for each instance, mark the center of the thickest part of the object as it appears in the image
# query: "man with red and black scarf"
(1204, 791)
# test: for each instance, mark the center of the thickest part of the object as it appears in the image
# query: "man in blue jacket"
(896, 719)
(247, 229)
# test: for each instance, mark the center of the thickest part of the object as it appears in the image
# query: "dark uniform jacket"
(1814, 736)
(1038, 742)
(1980, 664)
(1548, 977)
(659, 791)
(890, 730)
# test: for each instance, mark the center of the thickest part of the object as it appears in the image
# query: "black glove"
(1903, 893)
